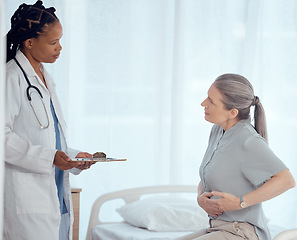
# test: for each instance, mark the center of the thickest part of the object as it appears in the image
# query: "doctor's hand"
(209, 205)
(86, 164)
(63, 162)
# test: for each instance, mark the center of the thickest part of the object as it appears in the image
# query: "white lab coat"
(31, 205)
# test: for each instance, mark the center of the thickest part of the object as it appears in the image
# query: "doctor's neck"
(36, 66)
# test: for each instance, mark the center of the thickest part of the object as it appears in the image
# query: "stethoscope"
(30, 99)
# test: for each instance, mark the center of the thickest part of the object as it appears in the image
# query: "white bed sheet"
(125, 231)
(274, 230)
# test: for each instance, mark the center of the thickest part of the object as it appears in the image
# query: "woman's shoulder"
(245, 134)
(10, 64)
(252, 139)
(12, 70)
(248, 130)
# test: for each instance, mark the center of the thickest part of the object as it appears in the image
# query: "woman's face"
(215, 111)
(46, 48)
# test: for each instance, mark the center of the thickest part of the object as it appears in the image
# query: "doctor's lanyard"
(30, 99)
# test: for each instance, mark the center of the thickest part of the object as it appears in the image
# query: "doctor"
(37, 200)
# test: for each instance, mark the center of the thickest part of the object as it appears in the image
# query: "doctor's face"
(46, 48)
(215, 111)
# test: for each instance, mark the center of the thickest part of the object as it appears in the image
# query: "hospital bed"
(287, 235)
(98, 229)
(124, 230)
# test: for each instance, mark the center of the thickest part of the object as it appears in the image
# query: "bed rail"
(131, 195)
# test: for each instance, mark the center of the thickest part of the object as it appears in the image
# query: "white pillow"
(165, 213)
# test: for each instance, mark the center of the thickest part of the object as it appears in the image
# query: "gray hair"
(238, 93)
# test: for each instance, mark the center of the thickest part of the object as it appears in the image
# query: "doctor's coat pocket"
(32, 192)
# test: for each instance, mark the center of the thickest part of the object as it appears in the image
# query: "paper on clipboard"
(98, 159)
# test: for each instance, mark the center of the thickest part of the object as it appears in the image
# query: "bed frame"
(132, 195)
(287, 235)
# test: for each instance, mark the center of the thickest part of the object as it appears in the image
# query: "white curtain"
(133, 73)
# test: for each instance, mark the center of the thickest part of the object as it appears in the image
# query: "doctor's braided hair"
(27, 22)
(238, 93)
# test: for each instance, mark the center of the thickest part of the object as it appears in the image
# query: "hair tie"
(255, 101)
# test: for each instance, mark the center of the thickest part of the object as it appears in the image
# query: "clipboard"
(98, 159)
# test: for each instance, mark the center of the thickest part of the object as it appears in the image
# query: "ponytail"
(11, 47)
(260, 118)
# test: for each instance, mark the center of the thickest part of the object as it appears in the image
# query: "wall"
(2, 105)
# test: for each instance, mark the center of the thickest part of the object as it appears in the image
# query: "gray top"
(238, 162)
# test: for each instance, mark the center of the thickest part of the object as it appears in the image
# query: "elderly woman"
(239, 171)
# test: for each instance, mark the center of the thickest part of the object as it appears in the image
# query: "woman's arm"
(276, 185)
(206, 203)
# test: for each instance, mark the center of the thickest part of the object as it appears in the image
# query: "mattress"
(125, 231)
